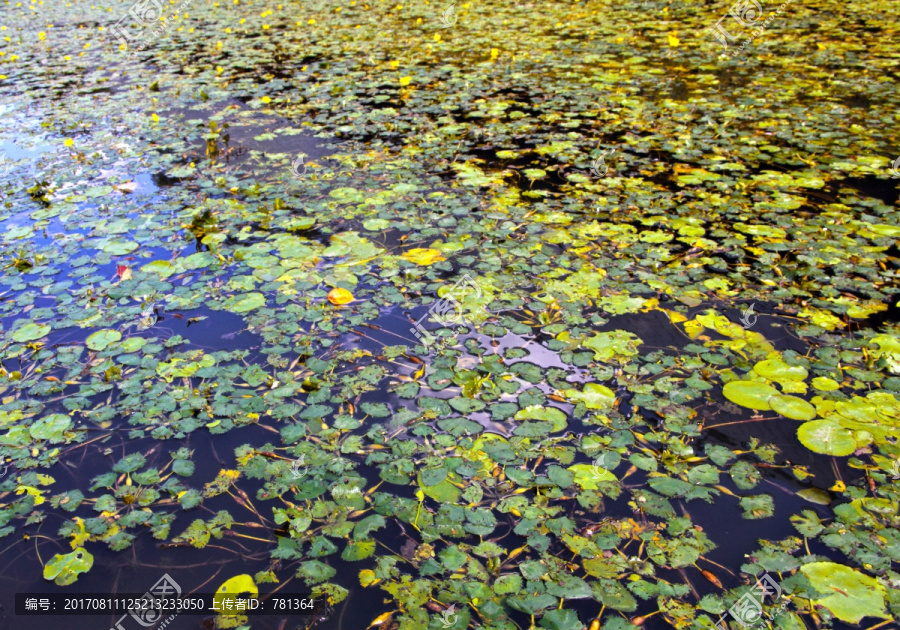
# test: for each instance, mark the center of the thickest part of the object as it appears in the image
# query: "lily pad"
(792, 407)
(554, 416)
(30, 332)
(244, 303)
(750, 394)
(587, 476)
(777, 370)
(826, 437)
(64, 569)
(594, 396)
(853, 595)
(50, 427)
(102, 338)
(422, 256)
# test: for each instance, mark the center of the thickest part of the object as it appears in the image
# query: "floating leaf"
(556, 417)
(826, 437)
(792, 407)
(230, 590)
(750, 394)
(244, 303)
(815, 495)
(594, 396)
(99, 340)
(778, 370)
(50, 427)
(422, 256)
(64, 569)
(30, 332)
(588, 476)
(851, 594)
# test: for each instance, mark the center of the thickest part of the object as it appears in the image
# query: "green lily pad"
(120, 248)
(825, 384)
(30, 332)
(64, 569)
(750, 394)
(815, 495)
(826, 437)
(554, 416)
(777, 370)
(244, 303)
(853, 595)
(615, 344)
(792, 407)
(102, 338)
(50, 427)
(376, 225)
(588, 476)
(594, 396)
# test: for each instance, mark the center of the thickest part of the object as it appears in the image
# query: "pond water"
(487, 316)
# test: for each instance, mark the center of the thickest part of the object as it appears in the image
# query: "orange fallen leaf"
(339, 297)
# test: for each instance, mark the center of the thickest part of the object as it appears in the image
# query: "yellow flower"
(265, 27)
(68, 142)
(494, 53)
(394, 65)
(311, 21)
(404, 81)
(266, 99)
(42, 36)
(673, 39)
(437, 37)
